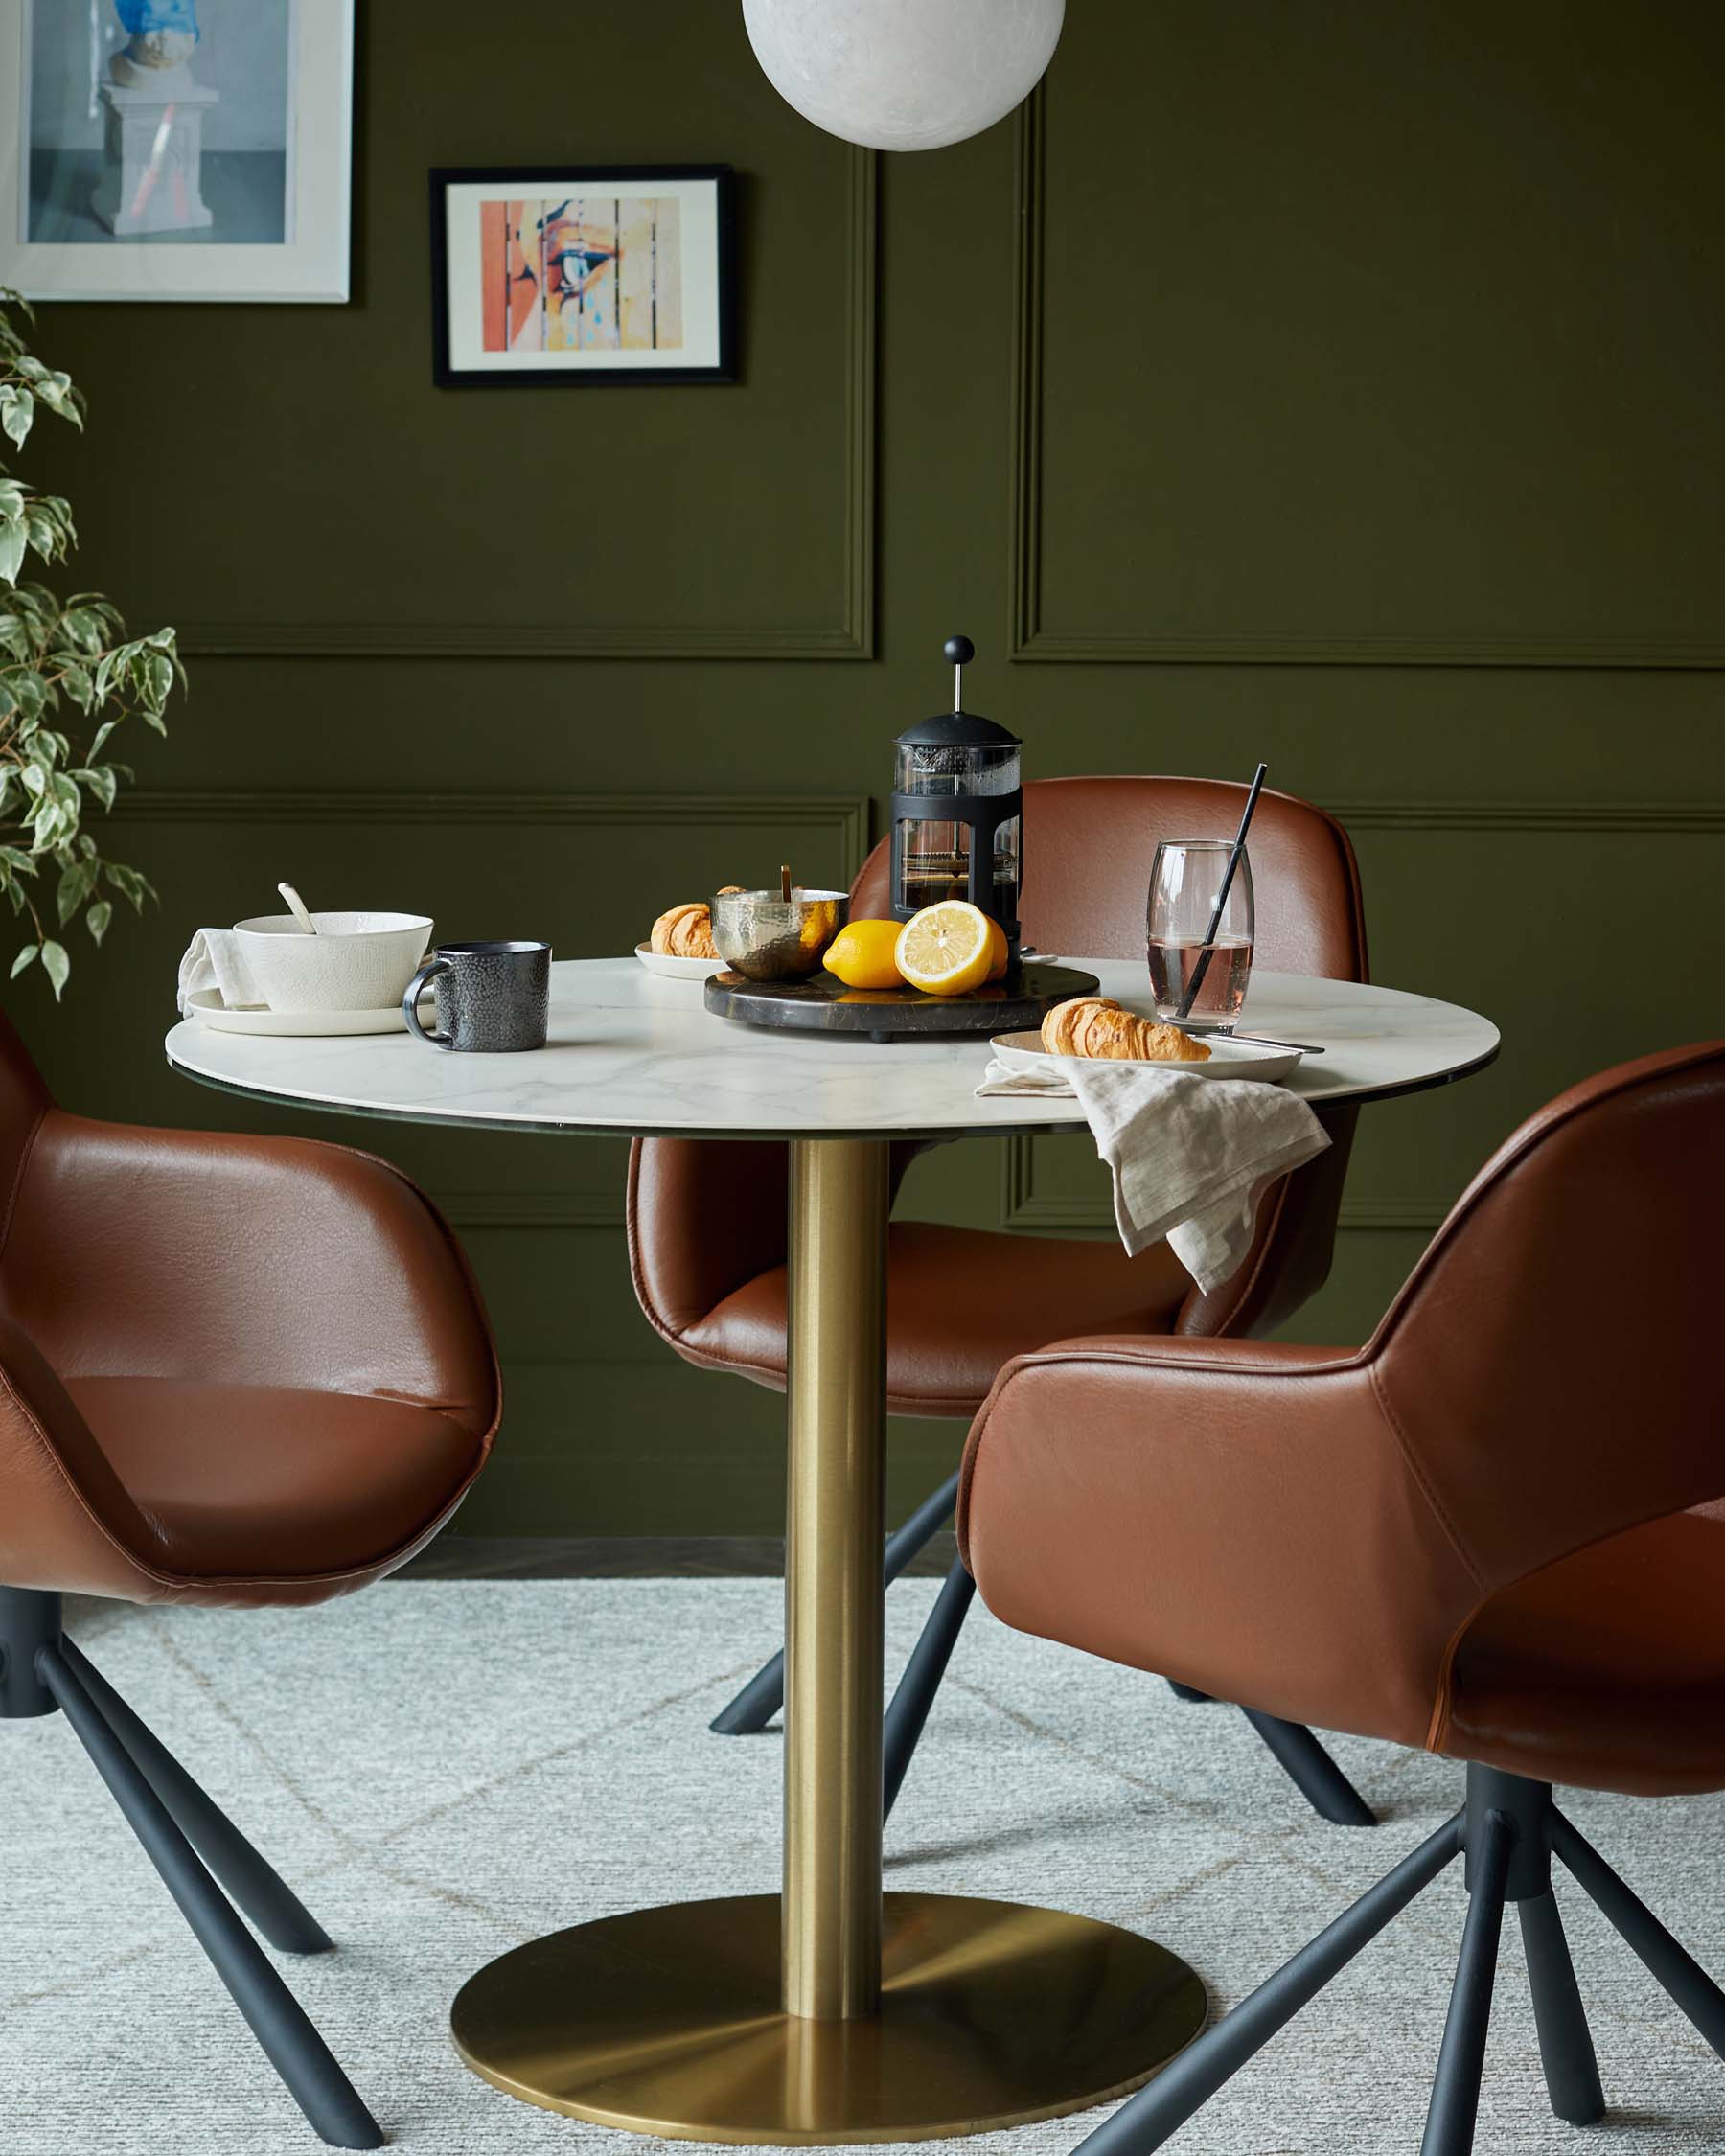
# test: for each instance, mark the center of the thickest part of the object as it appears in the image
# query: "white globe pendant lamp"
(904, 74)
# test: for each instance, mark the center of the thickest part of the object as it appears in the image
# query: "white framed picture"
(583, 273)
(176, 150)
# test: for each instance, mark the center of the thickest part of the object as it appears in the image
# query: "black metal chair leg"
(1147, 2120)
(1312, 1770)
(908, 1708)
(756, 1704)
(1566, 2046)
(29, 1619)
(1673, 1967)
(763, 1694)
(251, 1883)
(1455, 2107)
(294, 2047)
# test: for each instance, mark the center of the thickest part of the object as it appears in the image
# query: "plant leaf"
(102, 781)
(82, 627)
(97, 919)
(75, 884)
(128, 883)
(56, 965)
(17, 410)
(24, 959)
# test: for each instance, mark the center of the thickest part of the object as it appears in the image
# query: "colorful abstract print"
(581, 275)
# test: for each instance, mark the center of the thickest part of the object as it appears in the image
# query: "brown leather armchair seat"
(1497, 1533)
(706, 1222)
(232, 1371)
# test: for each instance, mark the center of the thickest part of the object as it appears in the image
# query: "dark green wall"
(1338, 384)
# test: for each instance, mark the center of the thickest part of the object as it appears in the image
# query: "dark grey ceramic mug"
(492, 998)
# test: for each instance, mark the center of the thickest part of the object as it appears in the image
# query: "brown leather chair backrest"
(44, 1445)
(143, 1254)
(704, 1218)
(24, 1100)
(1089, 845)
(1569, 1312)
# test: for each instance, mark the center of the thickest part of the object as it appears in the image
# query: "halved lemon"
(997, 966)
(946, 950)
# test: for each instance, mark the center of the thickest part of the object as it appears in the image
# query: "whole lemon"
(862, 956)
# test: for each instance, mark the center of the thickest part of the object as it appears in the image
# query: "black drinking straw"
(1228, 876)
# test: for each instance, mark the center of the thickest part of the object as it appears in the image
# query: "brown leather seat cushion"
(1605, 1670)
(961, 1302)
(267, 1481)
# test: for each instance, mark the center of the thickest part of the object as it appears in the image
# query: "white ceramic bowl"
(355, 962)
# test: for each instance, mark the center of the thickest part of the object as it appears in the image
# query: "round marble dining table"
(832, 2011)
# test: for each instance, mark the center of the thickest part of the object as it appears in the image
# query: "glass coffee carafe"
(957, 808)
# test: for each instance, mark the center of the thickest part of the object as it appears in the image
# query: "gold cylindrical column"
(833, 1578)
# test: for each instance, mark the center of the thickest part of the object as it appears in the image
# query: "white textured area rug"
(445, 1770)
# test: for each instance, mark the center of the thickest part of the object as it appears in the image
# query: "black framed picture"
(593, 273)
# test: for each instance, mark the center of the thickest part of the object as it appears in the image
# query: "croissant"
(686, 931)
(1098, 1027)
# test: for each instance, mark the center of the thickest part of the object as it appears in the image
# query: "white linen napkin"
(1190, 1157)
(215, 961)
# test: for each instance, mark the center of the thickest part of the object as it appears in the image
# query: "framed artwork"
(589, 273)
(175, 149)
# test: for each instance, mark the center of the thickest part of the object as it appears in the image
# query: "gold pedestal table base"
(832, 2012)
(667, 2021)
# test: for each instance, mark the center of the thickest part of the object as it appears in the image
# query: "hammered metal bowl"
(766, 937)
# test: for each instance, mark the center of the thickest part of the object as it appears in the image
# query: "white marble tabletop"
(630, 1052)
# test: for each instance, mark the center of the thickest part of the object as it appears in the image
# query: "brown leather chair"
(233, 1370)
(1494, 1532)
(706, 1222)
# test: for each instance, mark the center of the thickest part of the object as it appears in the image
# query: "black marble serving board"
(824, 1004)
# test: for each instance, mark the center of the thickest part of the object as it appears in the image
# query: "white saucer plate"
(677, 969)
(206, 1007)
(1227, 1059)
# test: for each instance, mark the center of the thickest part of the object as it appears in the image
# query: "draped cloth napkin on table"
(215, 961)
(1190, 1157)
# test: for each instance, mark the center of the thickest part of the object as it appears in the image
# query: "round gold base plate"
(667, 2021)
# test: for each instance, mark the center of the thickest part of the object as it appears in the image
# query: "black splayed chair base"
(198, 1850)
(1507, 1832)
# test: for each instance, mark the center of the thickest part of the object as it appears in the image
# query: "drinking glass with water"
(1185, 881)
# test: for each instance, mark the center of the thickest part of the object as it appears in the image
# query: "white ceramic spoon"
(296, 905)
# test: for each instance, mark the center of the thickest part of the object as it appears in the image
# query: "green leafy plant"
(69, 675)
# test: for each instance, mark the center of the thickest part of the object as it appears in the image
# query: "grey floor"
(447, 1769)
(245, 190)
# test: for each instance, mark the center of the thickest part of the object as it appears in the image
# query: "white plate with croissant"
(1098, 1028)
(682, 947)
